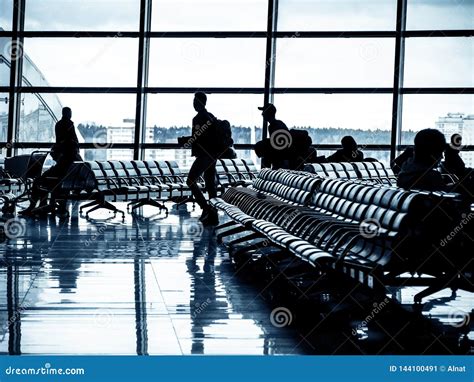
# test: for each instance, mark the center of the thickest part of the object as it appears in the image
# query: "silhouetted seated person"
(284, 148)
(64, 152)
(402, 158)
(300, 150)
(349, 153)
(205, 149)
(420, 172)
(453, 163)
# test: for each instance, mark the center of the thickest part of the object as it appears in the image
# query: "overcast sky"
(241, 62)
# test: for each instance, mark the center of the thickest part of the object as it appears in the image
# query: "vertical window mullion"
(142, 78)
(270, 57)
(16, 66)
(397, 104)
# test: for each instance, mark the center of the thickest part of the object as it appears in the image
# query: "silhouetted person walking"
(349, 153)
(420, 171)
(64, 152)
(205, 149)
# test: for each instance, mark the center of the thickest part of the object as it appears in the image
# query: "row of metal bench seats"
(373, 233)
(143, 182)
(365, 172)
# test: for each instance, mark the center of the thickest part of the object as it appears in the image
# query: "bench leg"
(150, 202)
(87, 205)
(437, 286)
(108, 206)
(226, 225)
(132, 204)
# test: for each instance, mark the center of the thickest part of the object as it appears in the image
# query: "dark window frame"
(268, 90)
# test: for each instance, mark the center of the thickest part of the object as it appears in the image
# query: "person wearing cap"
(274, 155)
(203, 147)
(269, 116)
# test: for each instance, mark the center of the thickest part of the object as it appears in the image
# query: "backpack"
(223, 139)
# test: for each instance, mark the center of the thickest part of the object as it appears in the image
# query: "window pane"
(169, 116)
(440, 14)
(334, 62)
(381, 155)
(5, 60)
(337, 15)
(185, 160)
(107, 154)
(439, 62)
(85, 62)
(6, 14)
(102, 119)
(209, 15)
(88, 154)
(468, 158)
(207, 62)
(74, 15)
(367, 117)
(3, 116)
(451, 113)
(182, 156)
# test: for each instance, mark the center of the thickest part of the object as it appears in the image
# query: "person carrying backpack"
(206, 150)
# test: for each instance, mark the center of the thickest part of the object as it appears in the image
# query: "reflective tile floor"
(163, 286)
